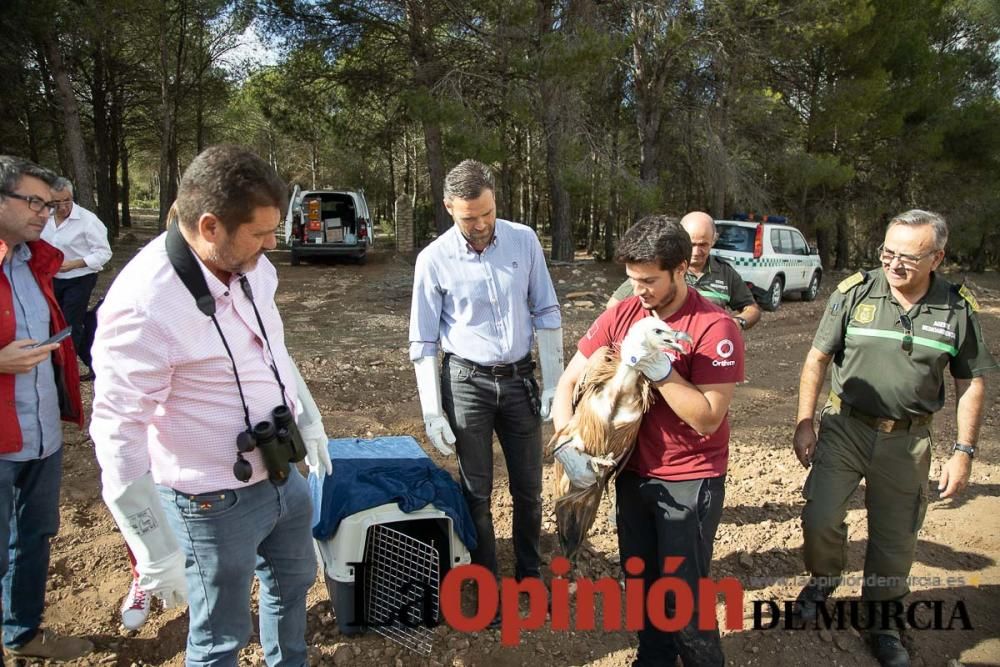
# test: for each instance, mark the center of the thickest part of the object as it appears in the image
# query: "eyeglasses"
(888, 256)
(907, 324)
(34, 203)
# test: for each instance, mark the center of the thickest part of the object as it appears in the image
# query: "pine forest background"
(836, 113)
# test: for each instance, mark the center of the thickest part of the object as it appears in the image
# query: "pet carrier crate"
(383, 566)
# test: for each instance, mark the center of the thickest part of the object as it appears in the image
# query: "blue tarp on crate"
(392, 469)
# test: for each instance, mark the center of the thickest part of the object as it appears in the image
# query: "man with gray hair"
(482, 294)
(890, 334)
(39, 387)
(83, 240)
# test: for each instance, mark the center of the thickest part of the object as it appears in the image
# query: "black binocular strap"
(245, 285)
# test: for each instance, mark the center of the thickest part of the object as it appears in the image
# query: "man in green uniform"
(890, 334)
(714, 278)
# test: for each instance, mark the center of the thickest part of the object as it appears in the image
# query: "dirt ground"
(347, 326)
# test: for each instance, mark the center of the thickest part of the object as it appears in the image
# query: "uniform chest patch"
(939, 328)
(864, 313)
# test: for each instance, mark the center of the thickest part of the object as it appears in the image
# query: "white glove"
(550, 353)
(653, 363)
(158, 557)
(310, 425)
(165, 579)
(317, 449)
(429, 388)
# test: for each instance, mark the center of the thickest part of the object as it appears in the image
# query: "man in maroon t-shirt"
(670, 495)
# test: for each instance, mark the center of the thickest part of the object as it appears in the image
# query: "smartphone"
(57, 338)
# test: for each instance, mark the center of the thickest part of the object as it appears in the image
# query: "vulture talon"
(599, 462)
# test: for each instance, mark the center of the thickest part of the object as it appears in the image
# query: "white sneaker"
(135, 607)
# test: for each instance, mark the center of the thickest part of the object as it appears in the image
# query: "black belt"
(518, 369)
(878, 423)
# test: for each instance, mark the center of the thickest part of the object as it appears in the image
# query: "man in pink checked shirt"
(192, 372)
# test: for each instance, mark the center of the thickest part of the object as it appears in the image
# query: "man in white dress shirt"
(83, 240)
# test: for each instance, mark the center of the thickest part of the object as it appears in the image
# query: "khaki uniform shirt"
(861, 328)
(721, 284)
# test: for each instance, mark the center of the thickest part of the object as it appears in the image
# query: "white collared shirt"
(80, 236)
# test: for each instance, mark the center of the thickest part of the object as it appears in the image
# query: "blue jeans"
(230, 535)
(29, 518)
(476, 405)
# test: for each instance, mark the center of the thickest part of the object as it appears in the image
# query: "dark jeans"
(478, 404)
(29, 518)
(73, 295)
(657, 519)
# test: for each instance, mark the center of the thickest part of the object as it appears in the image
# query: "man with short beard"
(670, 492)
(191, 371)
(712, 276)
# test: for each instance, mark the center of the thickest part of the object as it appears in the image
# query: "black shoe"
(809, 597)
(889, 651)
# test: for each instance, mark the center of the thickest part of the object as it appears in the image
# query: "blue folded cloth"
(369, 473)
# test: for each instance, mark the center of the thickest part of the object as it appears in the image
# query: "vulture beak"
(680, 337)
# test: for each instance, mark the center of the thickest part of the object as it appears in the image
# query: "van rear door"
(364, 218)
(293, 204)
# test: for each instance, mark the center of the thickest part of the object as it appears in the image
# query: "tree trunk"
(26, 116)
(83, 184)
(390, 146)
(435, 169)
(649, 81)
(169, 100)
(561, 223)
(126, 185)
(613, 199)
(593, 227)
(50, 105)
(116, 145)
(528, 193)
(552, 116)
(823, 243)
(199, 95)
(843, 243)
(103, 142)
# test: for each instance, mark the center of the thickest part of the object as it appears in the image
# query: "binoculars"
(279, 442)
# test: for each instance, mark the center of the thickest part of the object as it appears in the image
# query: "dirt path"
(347, 327)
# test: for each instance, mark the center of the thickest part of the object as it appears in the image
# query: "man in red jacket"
(39, 386)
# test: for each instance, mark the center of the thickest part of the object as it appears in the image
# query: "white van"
(772, 257)
(328, 223)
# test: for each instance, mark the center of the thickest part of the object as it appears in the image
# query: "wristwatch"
(965, 449)
(741, 321)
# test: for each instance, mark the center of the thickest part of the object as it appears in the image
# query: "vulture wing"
(605, 421)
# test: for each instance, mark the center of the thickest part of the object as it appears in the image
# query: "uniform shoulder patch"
(851, 281)
(966, 294)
